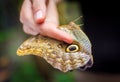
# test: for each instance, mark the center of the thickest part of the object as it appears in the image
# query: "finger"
(39, 10)
(26, 16)
(25, 12)
(58, 34)
(52, 14)
(52, 17)
(29, 30)
(61, 35)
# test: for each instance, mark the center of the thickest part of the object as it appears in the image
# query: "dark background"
(101, 22)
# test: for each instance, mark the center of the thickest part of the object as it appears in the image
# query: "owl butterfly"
(61, 55)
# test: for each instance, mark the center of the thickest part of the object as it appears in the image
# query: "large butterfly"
(61, 55)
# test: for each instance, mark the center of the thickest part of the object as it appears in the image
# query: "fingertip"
(63, 36)
(39, 10)
(68, 40)
(39, 16)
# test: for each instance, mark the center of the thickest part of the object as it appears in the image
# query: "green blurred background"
(27, 68)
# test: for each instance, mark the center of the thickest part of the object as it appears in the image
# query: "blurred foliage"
(69, 11)
(25, 69)
(64, 77)
(27, 72)
(3, 36)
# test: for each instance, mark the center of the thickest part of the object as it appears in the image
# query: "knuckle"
(29, 31)
(25, 30)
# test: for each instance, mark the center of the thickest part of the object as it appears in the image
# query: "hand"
(40, 16)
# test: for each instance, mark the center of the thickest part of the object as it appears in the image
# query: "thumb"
(39, 10)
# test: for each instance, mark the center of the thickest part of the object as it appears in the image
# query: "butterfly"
(61, 55)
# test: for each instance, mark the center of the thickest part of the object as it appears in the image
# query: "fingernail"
(38, 15)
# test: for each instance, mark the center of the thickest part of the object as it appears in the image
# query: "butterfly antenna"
(80, 25)
(77, 18)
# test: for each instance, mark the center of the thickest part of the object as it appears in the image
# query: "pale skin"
(41, 17)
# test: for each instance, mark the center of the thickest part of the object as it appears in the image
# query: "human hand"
(40, 16)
